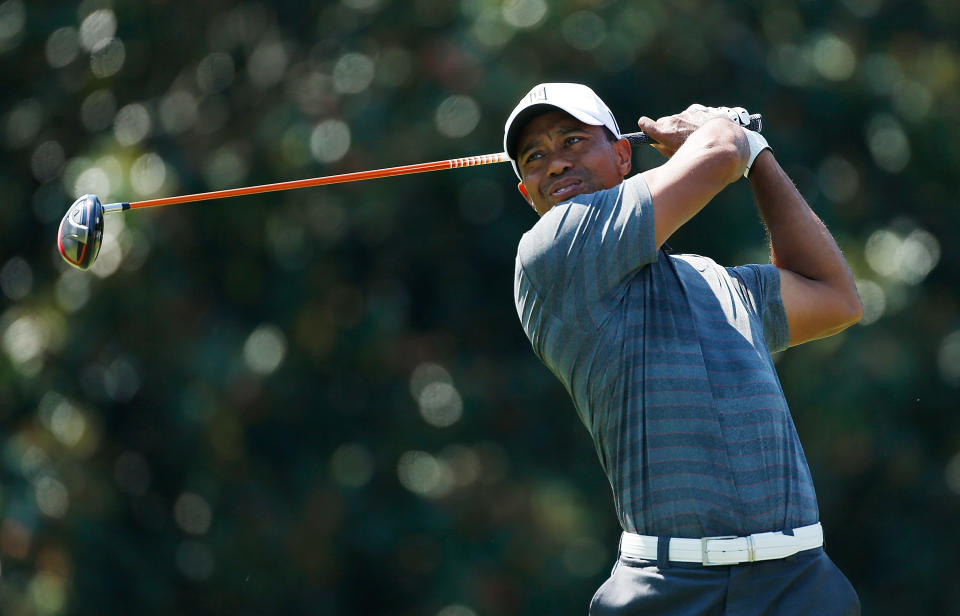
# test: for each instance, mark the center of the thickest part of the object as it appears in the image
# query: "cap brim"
(524, 117)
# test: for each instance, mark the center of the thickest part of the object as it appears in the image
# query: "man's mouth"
(564, 189)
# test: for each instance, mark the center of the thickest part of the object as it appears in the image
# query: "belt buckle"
(704, 559)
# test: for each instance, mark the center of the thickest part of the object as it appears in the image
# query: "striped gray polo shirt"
(667, 360)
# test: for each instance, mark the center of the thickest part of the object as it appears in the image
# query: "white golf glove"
(737, 114)
(741, 116)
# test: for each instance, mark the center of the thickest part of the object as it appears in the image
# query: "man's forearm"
(799, 241)
(823, 295)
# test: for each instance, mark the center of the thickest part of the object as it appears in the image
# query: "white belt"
(726, 550)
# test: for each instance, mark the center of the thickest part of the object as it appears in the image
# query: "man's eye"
(572, 139)
(533, 156)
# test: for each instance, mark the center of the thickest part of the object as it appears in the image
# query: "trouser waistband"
(729, 550)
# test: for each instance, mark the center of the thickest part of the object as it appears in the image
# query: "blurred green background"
(321, 401)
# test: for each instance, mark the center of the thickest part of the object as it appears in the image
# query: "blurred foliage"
(321, 401)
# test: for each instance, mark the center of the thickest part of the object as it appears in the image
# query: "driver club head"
(81, 232)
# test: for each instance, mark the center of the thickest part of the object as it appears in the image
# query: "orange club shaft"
(453, 163)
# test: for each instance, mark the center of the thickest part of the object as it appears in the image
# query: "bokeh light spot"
(215, 72)
(888, 143)
(913, 100)
(583, 30)
(23, 122)
(555, 507)
(362, 5)
(789, 64)
(192, 513)
(424, 475)
(457, 116)
(47, 593)
(63, 46)
(178, 111)
(863, 8)
(873, 299)
(524, 13)
(488, 29)
(13, 18)
(440, 404)
(92, 180)
(72, 290)
(882, 74)
(98, 110)
(618, 51)
(394, 67)
(426, 374)
(121, 381)
(952, 473)
(132, 124)
(908, 259)
(919, 254)
(267, 64)
(98, 27)
(287, 240)
(16, 278)
(838, 179)
(463, 462)
(107, 58)
(24, 338)
(225, 168)
(63, 419)
(47, 161)
(111, 253)
(52, 497)
(948, 360)
(834, 58)
(265, 349)
(351, 464)
(147, 174)
(352, 73)
(456, 609)
(330, 140)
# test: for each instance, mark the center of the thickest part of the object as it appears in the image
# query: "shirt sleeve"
(580, 253)
(761, 287)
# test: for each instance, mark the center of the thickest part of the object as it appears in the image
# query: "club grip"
(639, 138)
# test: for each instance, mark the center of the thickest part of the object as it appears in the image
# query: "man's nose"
(559, 163)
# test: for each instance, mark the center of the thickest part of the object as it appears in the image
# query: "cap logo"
(537, 94)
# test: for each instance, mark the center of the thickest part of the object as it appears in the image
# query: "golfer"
(667, 356)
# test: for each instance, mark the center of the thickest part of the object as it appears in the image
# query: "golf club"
(81, 230)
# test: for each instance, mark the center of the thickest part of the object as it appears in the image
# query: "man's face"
(560, 157)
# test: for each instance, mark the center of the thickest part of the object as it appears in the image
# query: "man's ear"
(624, 152)
(523, 191)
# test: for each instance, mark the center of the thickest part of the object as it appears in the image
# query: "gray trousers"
(805, 583)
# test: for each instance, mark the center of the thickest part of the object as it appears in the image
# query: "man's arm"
(816, 285)
(706, 153)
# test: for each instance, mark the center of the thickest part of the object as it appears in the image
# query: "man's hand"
(672, 131)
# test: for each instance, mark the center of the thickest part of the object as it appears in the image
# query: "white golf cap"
(576, 99)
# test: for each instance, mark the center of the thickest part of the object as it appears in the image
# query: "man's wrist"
(757, 144)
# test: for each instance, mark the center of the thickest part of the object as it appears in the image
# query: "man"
(667, 357)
